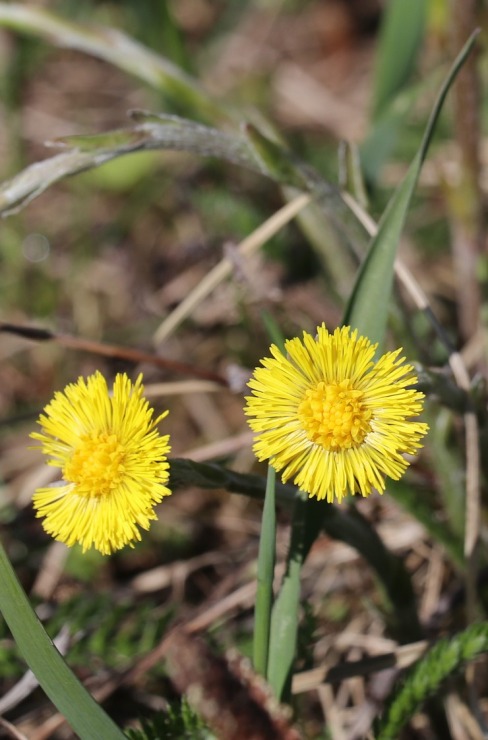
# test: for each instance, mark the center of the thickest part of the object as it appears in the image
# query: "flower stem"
(266, 563)
(284, 620)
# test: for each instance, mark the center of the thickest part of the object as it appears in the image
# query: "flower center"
(96, 466)
(333, 415)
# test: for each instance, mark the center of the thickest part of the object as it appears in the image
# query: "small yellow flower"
(113, 463)
(331, 418)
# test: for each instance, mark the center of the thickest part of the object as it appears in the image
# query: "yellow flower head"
(113, 463)
(331, 418)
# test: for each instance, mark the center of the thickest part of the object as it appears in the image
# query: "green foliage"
(83, 713)
(399, 43)
(400, 38)
(228, 212)
(114, 632)
(445, 658)
(284, 617)
(11, 666)
(179, 722)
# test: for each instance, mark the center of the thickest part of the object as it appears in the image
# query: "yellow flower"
(331, 418)
(113, 463)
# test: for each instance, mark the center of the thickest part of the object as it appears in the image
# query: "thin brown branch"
(113, 351)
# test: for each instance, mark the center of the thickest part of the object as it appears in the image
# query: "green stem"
(266, 563)
(82, 712)
(284, 619)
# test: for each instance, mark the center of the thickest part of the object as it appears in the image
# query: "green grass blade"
(82, 712)
(266, 563)
(368, 306)
(308, 520)
(284, 619)
(350, 173)
(401, 34)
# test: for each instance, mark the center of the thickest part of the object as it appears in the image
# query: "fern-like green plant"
(180, 722)
(425, 678)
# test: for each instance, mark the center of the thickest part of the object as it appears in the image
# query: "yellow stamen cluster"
(334, 416)
(97, 466)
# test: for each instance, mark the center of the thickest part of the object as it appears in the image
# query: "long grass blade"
(400, 37)
(84, 715)
(368, 306)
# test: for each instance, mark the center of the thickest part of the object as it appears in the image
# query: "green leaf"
(400, 38)
(149, 132)
(447, 468)
(185, 472)
(309, 518)
(82, 712)
(284, 620)
(368, 306)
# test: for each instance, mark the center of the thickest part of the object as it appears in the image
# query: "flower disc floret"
(331, 418)
(112, 459)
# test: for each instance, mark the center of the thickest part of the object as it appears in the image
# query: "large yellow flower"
(112, 459)
(331, 418)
